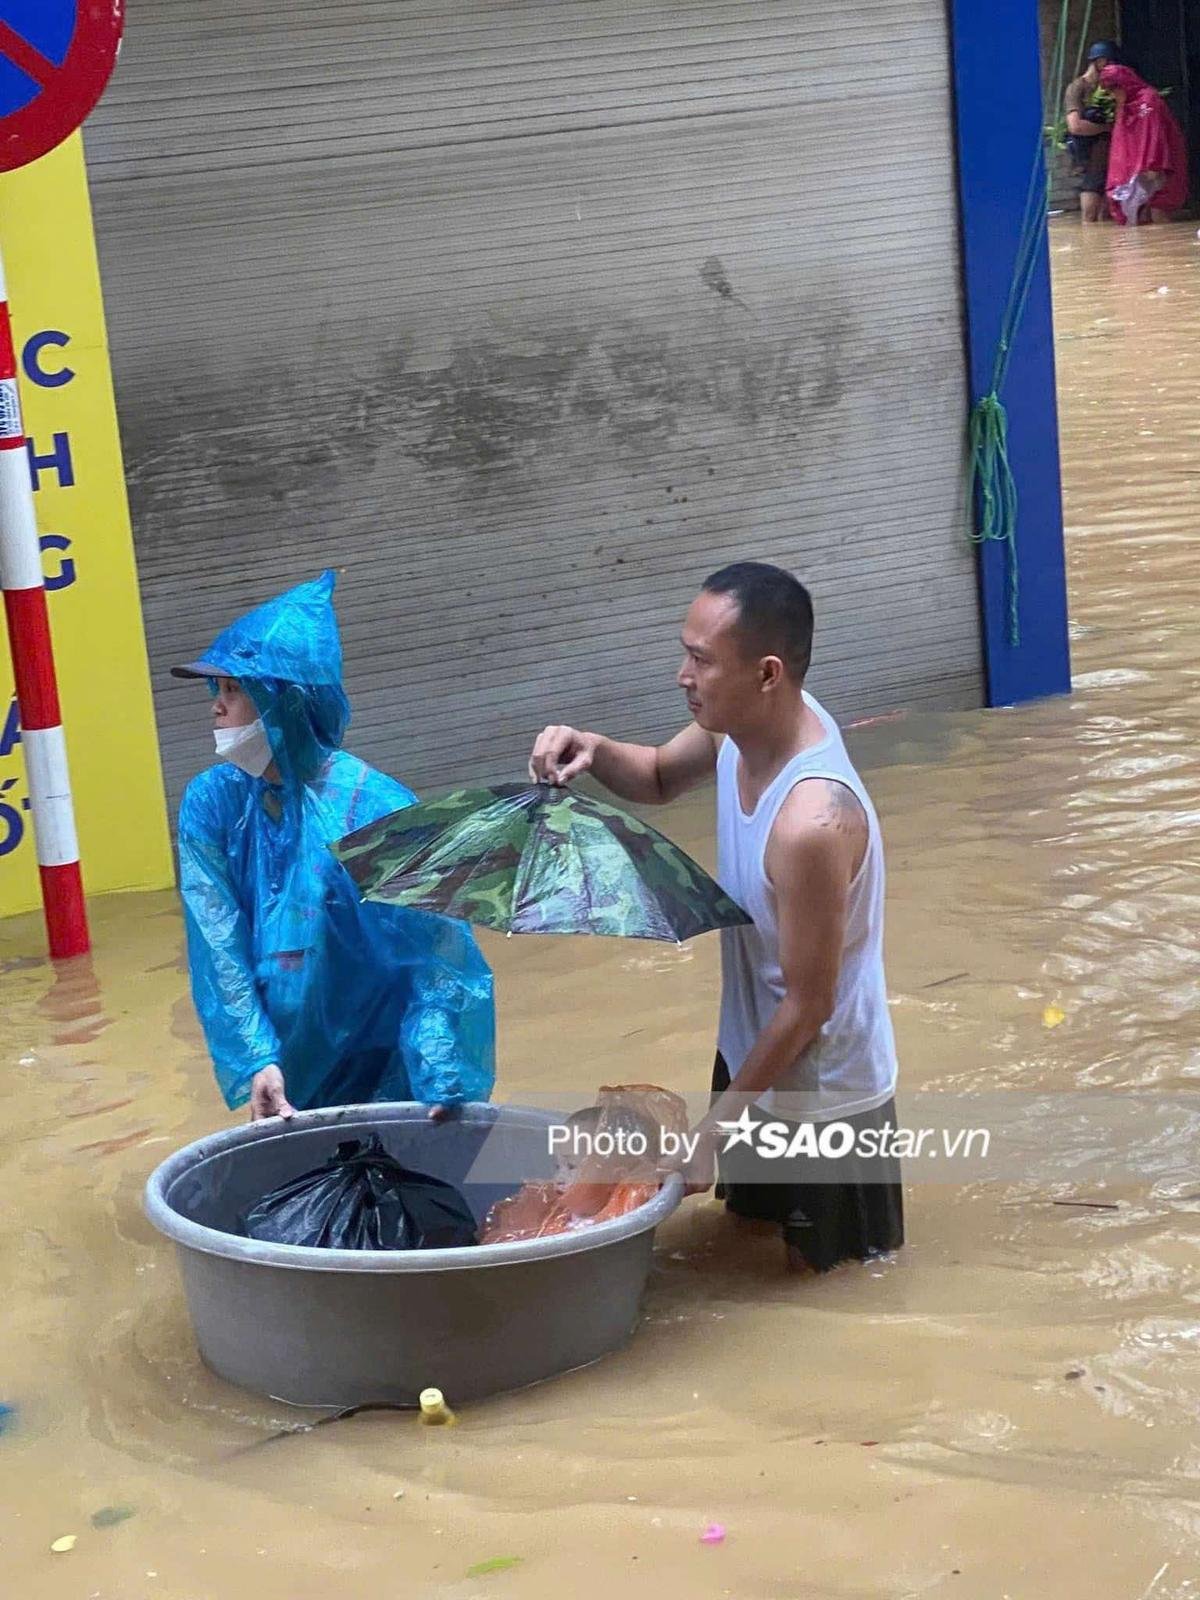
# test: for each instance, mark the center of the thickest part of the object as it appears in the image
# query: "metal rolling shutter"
(528, 313)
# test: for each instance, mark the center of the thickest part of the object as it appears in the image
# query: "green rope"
(991, 485)
(995, 491)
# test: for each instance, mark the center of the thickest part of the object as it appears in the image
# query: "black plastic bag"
(363, 1199)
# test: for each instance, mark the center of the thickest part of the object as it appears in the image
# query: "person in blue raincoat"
(307, 996)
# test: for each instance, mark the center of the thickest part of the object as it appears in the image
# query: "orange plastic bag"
(627, 1124)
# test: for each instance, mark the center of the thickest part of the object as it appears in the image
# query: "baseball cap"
(198, 669)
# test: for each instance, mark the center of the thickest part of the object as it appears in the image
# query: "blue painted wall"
(997, 79)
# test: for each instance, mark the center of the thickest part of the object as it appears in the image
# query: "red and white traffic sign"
(56, 56)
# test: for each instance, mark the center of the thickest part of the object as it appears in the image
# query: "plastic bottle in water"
(435, 1413)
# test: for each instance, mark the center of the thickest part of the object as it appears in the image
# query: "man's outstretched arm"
(645, 774)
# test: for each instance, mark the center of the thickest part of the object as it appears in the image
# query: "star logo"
(740, 1132)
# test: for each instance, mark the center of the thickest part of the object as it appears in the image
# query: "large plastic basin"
(345, 1328)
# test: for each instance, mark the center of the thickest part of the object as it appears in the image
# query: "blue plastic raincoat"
(352, 1002)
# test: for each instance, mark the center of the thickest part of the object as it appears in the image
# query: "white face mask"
(248, 748)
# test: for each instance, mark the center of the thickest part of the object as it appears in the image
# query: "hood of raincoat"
(287, 656)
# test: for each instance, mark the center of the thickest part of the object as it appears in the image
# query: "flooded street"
(1007, 1410)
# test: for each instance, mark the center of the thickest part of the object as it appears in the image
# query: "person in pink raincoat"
(1148, 162)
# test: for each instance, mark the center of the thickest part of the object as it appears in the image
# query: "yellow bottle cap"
(432, 1400)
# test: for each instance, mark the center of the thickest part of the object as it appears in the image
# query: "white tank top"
(851, 1065)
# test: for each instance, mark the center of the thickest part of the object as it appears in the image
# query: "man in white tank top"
(805, 1035)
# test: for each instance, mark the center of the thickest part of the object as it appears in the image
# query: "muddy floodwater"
(1008, 1411)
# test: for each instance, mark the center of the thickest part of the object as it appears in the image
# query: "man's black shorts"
(830, 1210)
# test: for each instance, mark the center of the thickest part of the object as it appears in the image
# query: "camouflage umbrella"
(536, 860)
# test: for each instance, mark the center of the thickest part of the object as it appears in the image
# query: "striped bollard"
(33, 669)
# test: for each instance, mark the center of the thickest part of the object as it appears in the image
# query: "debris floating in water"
(435, 1413)
(110, 1516)
(1053, 1017)
(714, 1533)
(482, 1569)
(8, 1417)
(65, 1544)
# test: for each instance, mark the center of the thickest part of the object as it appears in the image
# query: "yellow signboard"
(87, 548)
